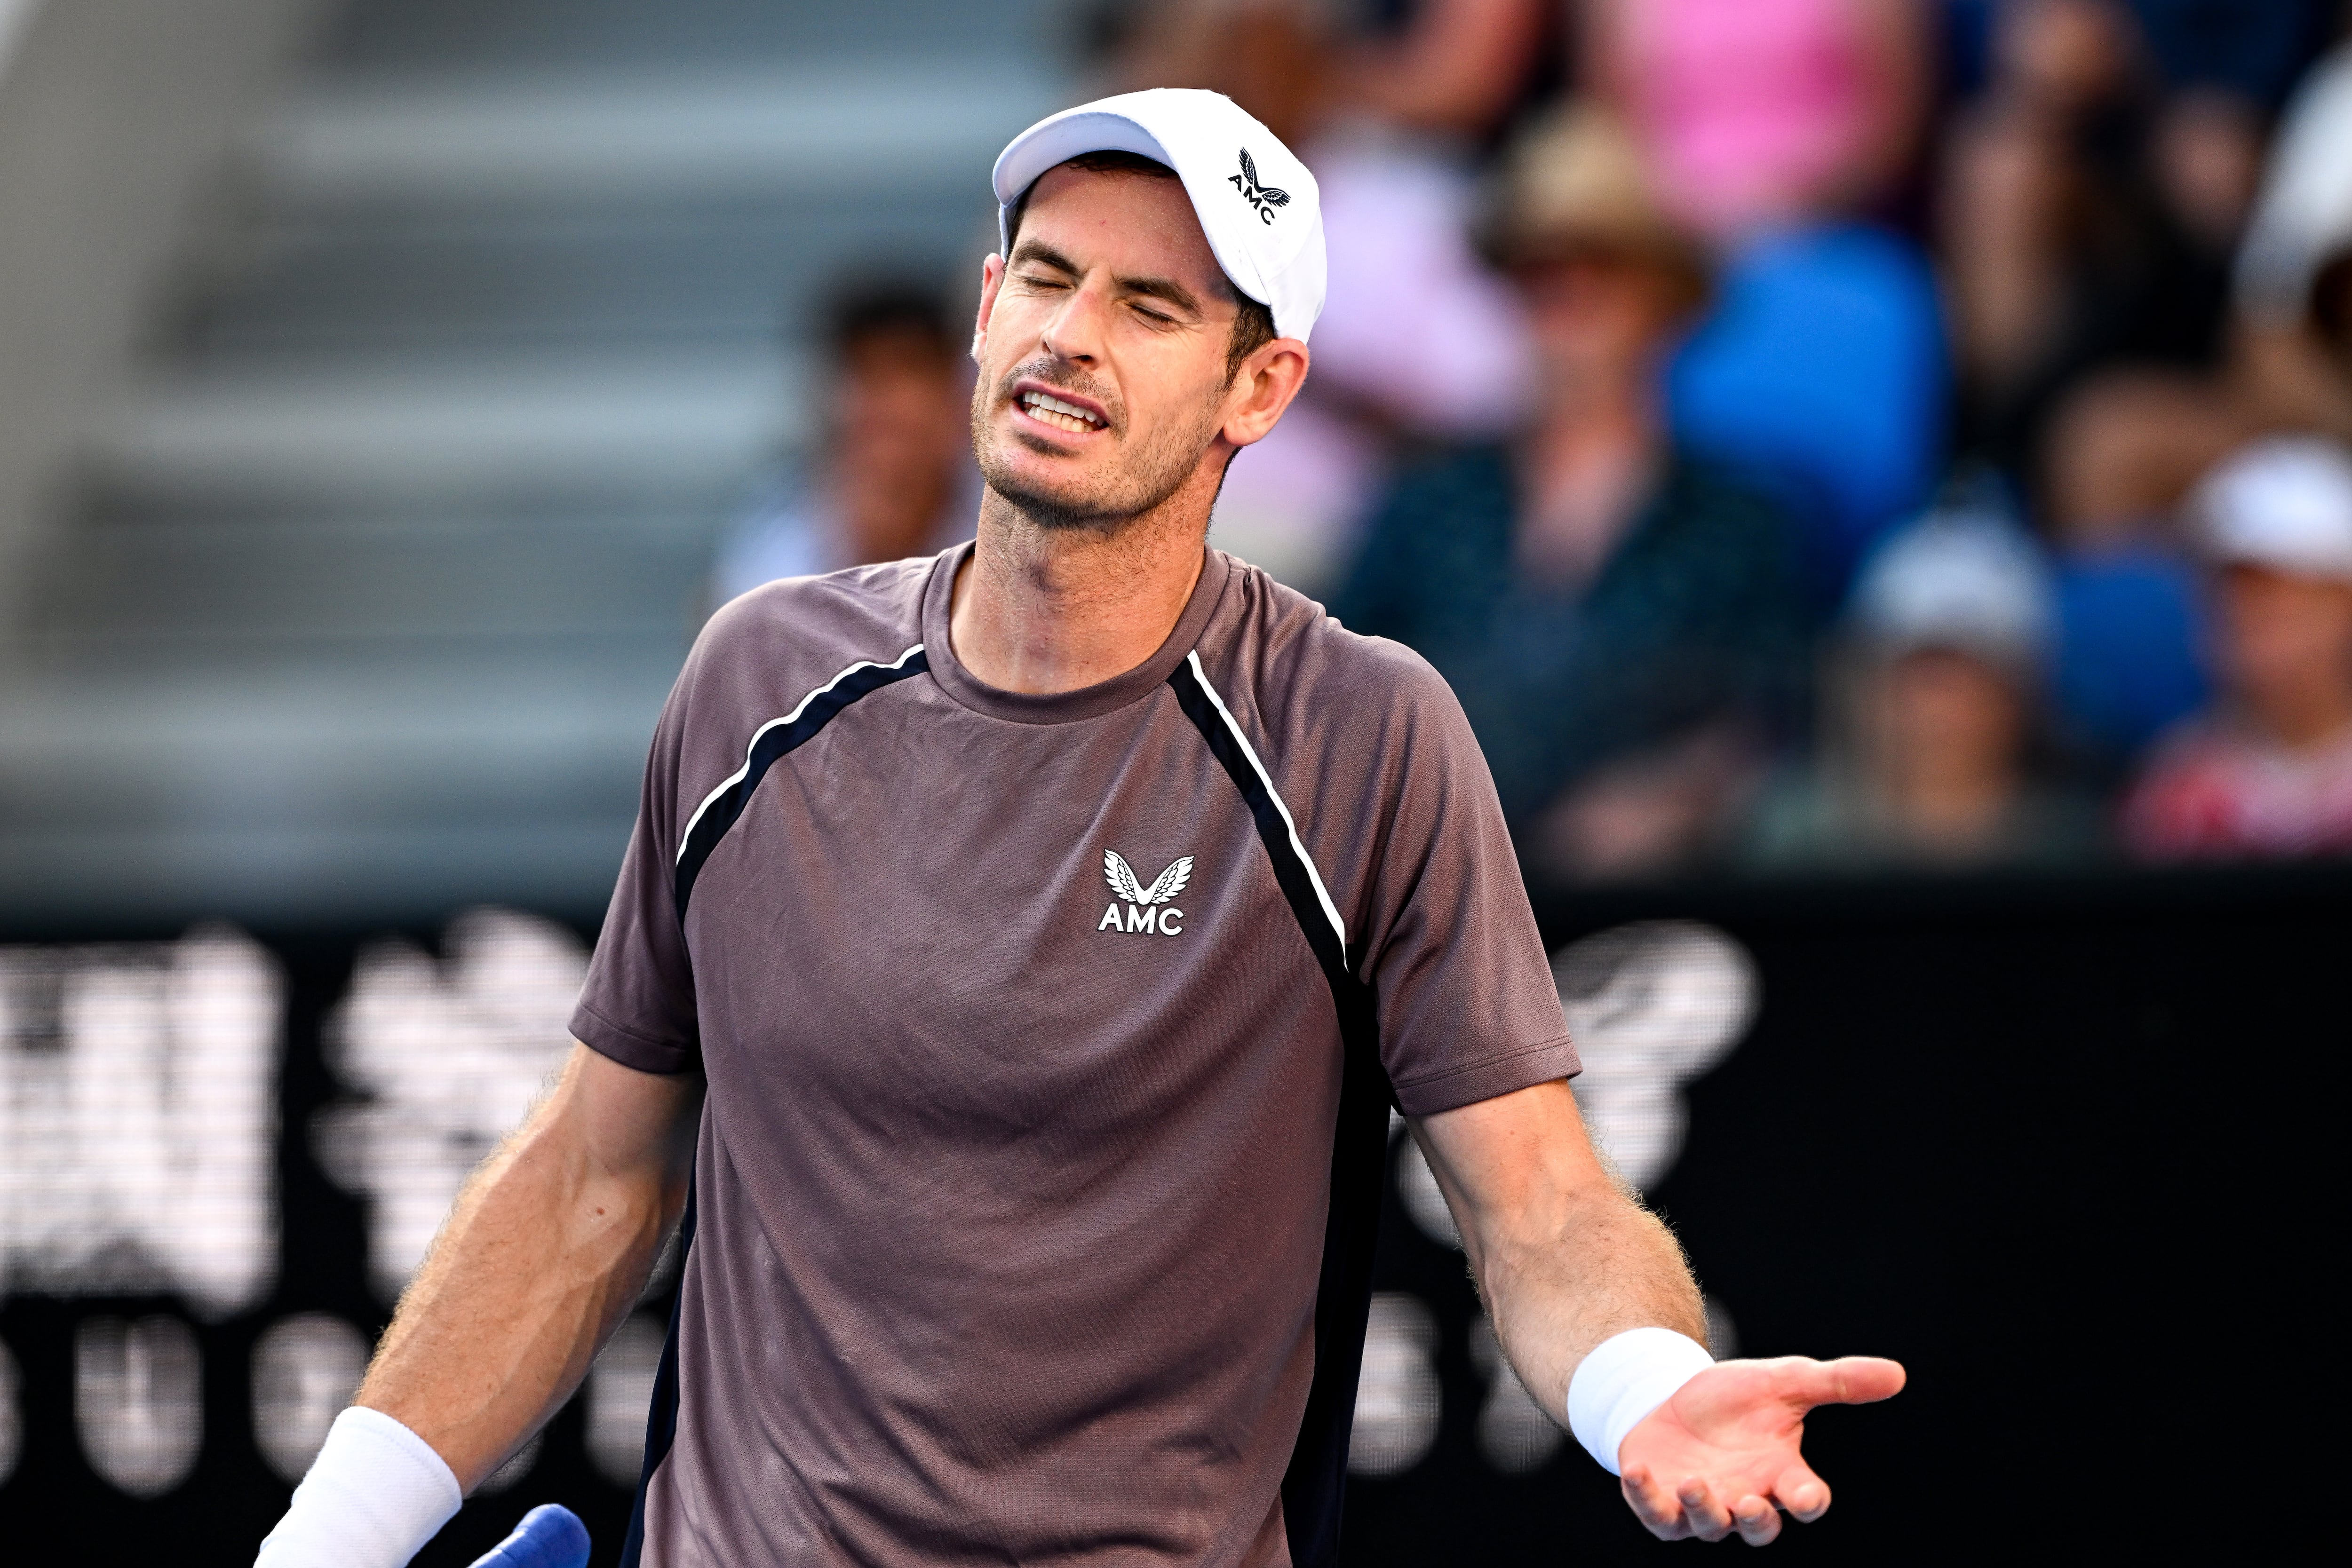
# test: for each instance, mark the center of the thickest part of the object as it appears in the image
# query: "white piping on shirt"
(737, 777)
(1322, 896)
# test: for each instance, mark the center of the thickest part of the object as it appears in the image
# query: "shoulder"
(1709, 489)
(784, 638)
(1845, 267)
(1712, 517)
(853, 602)
(2185, 800)
(1442, 522)
(1477, 474)
(2198, 746)
(2200, 752)
(1805, 817)
(1305, 674)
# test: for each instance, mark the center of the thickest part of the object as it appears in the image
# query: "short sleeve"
(638, 1006)
(1467, 1006)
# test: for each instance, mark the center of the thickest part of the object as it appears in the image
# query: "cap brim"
(1057, 140)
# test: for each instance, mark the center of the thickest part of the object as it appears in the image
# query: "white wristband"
(376, 1494)
(1627, 1376)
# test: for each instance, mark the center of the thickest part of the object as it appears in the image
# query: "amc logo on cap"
(1263, 199)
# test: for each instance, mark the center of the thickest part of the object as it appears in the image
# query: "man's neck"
(1954, 803)
(1588, 466)
(2309, 715)
(1596, 419)
(1042, 610)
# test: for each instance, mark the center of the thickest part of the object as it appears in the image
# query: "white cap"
(2285, 503)
(1967, 581)
(2305, 214)
(1256, 202)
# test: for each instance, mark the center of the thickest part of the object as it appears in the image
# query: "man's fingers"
(1654, 1506)
(1708, 1518)
(1757, 1521)
(1801, 1492)
(1848, 1380)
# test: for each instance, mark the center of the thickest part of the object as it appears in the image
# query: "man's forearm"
(1589, 1267)
(546, 1250)
(1564, 1256)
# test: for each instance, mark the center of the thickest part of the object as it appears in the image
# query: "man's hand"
(1568, 1261)
(1722, 1453)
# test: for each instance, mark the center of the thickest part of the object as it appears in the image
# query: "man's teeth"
(1061, 416)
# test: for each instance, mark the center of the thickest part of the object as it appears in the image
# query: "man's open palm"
(1722, 1453)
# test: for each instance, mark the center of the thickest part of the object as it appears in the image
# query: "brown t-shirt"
(1050, 1043)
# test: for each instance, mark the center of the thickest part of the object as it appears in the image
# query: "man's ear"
(992, 276)
(1268, 380)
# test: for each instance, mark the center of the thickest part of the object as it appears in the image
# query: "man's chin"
(1054, 511)
(1066, 499)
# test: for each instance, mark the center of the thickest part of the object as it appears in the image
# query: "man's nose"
(1075, 331)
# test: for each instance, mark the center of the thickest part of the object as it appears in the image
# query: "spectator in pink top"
(1764, 113)
(2269, 772)
(1772, 127)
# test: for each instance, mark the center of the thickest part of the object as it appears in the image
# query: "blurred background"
(1875, 472)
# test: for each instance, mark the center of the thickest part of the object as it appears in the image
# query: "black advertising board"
(2060, 1146)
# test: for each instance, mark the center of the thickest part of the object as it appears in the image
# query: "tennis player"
(1008, 981)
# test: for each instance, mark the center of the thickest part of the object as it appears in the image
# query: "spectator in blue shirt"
(892, 472)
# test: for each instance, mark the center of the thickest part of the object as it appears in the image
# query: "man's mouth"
(1047, 409)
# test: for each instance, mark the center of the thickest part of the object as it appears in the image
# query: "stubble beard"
(1154, 467)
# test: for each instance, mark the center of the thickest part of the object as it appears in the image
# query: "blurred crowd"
(1807, 433)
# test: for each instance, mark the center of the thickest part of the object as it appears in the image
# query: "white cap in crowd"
(1256, 202)
(2285, 503)
(2304, 215)
(1964, 579)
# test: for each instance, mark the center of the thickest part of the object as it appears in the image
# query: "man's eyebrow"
(1044, 256)
(1166, 288)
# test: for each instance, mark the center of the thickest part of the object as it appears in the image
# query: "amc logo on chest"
(1149, 910)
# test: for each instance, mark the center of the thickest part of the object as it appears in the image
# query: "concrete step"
(453, 430)
(850, 129)
(697, 275)
(327, 783)
(395, 34)
(387, 562)
(241, 590)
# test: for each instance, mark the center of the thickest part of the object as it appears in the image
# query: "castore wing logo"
(1263, 199)
(1149, 910)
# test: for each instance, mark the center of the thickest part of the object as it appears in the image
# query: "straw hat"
(1574, 184)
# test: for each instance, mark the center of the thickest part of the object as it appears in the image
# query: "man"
(1050, 923)
(1934, 755)
(2267, 773)
(895, 476)
(1618, 616)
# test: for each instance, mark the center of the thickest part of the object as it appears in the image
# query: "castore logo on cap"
(1264, 198)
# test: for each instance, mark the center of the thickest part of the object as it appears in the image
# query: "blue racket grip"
(550, 1536)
